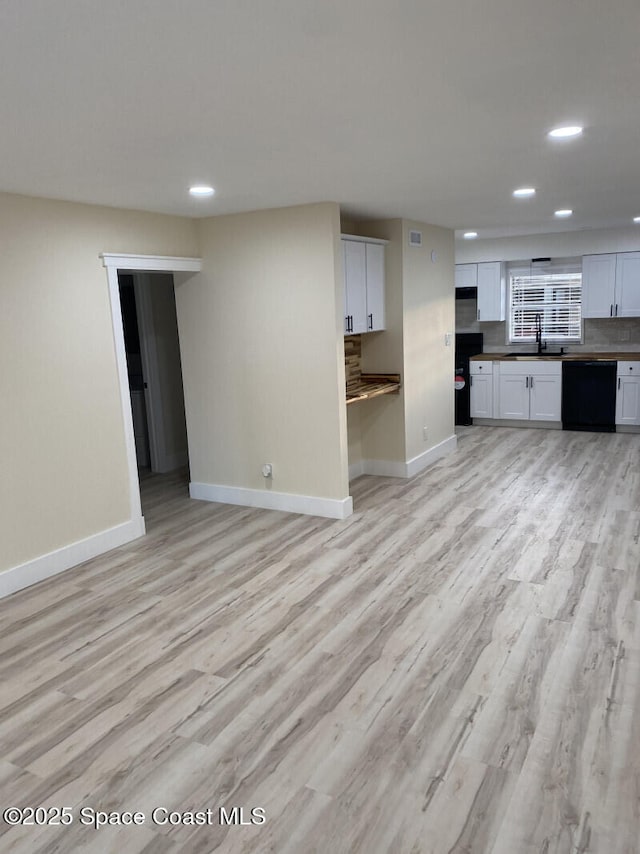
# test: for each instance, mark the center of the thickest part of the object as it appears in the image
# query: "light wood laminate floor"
(455, 668)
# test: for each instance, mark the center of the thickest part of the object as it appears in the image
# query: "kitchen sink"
(535, 354)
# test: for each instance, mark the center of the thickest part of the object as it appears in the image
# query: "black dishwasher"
(589, 396)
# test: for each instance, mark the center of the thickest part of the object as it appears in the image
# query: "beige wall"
(429, 313)
(263, 352)
(64, 472)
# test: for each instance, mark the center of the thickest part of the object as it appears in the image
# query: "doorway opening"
(152, 348)
(162, 426)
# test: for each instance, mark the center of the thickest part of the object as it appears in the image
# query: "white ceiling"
(427, 109)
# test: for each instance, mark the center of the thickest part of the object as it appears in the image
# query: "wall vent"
(415, 238)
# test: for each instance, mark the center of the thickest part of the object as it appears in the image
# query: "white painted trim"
(385, 468)
(356, 470)
(135, 507)
(311, 505)
(357, 238)
(155, 263)
(57, 561)
(392, 468)
(517, 422)
(152, 263)
(417, 464)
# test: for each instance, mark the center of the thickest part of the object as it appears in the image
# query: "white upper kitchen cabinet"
(627, 285)
(364, 291)
(491, 291)
(611, 285)
(466, 275)
(355, 287)
(375, 286)
(598, 285)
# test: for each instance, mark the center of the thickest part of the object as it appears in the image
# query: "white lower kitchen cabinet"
(481, 405)
(514, 396)
(545, 398)
(530, 391)
(481, 391)
(628, 394)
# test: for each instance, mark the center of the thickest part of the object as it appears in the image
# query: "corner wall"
(263, 360)
(64, 467)
(429, 313)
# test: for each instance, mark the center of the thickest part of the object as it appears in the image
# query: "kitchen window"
(552, 293)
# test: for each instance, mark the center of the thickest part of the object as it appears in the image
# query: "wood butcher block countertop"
(583, 356)
(373, 385)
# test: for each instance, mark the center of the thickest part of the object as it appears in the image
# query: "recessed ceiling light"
(201, 190)
(524, 192)
(565, 132)
(636, 219)
(470, 235)
(563, 213)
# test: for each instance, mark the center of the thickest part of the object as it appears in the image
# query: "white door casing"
(132, 263)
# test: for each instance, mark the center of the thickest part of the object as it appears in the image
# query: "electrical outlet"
(267, 470)
(425, 434)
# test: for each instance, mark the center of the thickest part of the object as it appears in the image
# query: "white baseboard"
(517, 422)
(331, 508)
(356, 470)
(391, 468)
(18, 577)
(417, 464)
(385, 468)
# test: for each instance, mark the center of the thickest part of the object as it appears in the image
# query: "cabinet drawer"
(629, 369)
(480, 367)
(532, 368)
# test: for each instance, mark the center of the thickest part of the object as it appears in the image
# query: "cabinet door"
(514, 396)
(598, 285)
(491, 302)
(628, 285)
(355, 286)
(466, 275)
(545, 398)
(481, 404)
(628, 400)
(375, 286)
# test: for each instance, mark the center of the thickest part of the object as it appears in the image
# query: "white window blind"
(555, 295)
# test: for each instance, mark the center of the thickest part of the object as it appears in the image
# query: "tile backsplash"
(618, 333)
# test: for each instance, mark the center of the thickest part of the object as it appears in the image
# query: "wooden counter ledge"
(373, 385)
